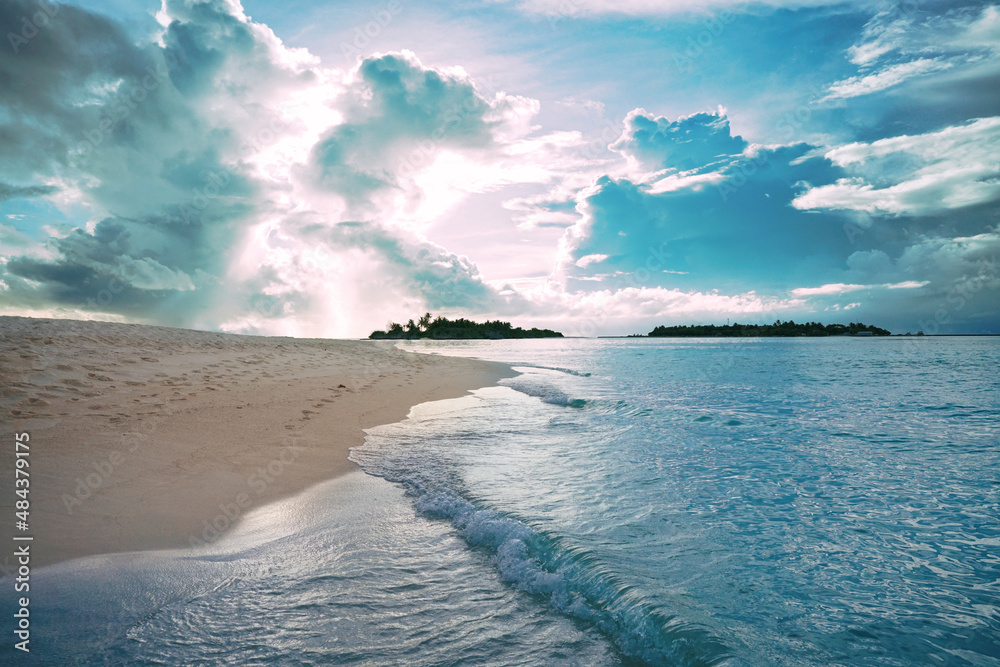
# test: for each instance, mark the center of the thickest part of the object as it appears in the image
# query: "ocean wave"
(538, 388)
(558, 369)
(548, 393)
(570, 579)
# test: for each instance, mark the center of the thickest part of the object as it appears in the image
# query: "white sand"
(143, 437)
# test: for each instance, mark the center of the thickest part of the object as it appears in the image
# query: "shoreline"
(147, 438)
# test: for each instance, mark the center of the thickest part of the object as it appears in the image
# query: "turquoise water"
(738, 502)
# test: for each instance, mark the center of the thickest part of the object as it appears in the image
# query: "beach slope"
(150, 437)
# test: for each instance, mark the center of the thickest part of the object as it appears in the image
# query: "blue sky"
(319, 169)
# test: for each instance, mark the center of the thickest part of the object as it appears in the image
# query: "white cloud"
(903, 31)
(618, 310)
(689, 144)
(844, 288)
(891, 76)
(948, 169)
(587, 260)
(832, 288)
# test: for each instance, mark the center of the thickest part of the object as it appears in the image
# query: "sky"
(320, 169)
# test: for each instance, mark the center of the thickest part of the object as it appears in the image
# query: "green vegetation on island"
(779, 328)
(441, 328)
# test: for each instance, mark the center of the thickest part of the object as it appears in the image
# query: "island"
(441, 328)
(779, 328)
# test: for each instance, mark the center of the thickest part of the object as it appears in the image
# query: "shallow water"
(773, 501)
(343, 574)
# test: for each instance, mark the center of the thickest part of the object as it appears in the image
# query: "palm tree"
(425, 321)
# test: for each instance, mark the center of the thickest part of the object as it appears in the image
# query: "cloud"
(689, 143)
(55, 87)
(9, 234)
(182, 153)
(209, 175)
(315, 277)
(587, 260)
(147, 273)
(841, 288)
(587, 8)
(146, 144)
(633, 309)
(412, 266)
(905, 31)
(893, 75)
(8, 191)
(915, 175)
(940, 62)
(398, 115)
(833, 288)
(733, 227)
(739, 224)
(934, 281)
(919, 68)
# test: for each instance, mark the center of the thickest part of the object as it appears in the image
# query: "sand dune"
(150, 437)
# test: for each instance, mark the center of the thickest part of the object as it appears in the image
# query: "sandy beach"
(150, 437)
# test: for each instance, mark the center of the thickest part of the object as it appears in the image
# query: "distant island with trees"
(777, 329)
(441, 328)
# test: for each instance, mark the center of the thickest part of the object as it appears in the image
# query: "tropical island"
(441, 328)
(779, 328)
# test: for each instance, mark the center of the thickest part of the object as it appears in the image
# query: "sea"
(805, 501)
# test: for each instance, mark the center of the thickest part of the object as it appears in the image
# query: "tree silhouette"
(441, 328)
(779, 328)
